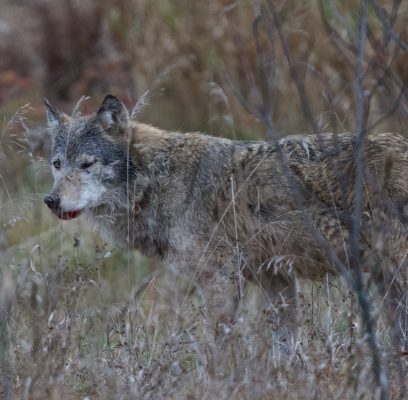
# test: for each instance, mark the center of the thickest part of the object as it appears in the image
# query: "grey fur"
(232, 210)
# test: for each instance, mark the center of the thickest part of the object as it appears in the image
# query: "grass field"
(81, 318)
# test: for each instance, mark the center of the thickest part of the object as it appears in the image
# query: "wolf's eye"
(86, 164)
(57, 164)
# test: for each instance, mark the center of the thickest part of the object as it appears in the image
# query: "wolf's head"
(89, 158)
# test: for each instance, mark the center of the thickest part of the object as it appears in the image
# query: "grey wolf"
(230, 210)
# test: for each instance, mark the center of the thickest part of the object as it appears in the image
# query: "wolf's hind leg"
(282, 296)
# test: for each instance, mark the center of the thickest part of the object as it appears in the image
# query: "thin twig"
(360, 290)
(299, 82)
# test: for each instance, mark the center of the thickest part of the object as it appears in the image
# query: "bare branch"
(360, 290)
(267, 69)
(388, 23)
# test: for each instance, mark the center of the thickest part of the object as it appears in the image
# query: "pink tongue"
(69, 214)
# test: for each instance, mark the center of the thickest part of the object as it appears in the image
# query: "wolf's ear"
(113, 115)
(54, 117)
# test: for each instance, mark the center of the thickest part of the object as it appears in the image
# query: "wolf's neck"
(134, 219)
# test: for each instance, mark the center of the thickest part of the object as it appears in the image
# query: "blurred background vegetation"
(242, 69)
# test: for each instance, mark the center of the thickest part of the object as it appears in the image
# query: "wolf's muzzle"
(52, 201)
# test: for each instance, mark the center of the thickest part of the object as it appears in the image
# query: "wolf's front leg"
(222, 289)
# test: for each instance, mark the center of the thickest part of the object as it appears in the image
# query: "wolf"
(231, 211)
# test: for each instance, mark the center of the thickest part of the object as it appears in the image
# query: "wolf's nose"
(52, 201)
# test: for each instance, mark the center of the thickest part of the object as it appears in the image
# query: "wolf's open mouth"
(67, 214)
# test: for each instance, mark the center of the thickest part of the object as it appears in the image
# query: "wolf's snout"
(52, 201)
